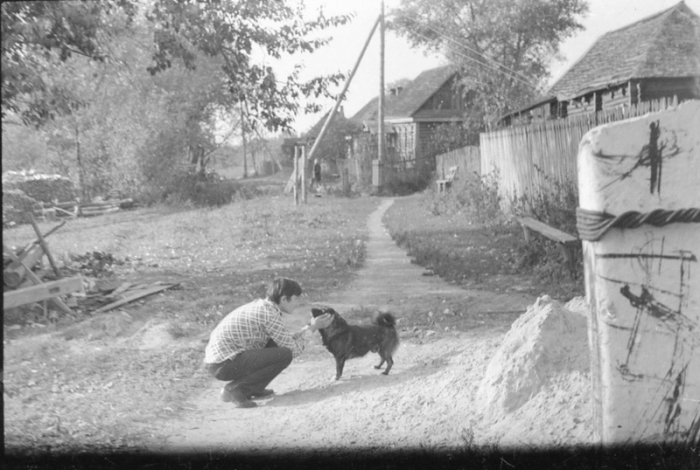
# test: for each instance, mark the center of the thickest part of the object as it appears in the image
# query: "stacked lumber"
(20, 292)
(124, 293)
(91, 209)
(24, 284)
(95, 208)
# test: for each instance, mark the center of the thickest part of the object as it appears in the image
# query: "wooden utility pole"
(377, 167)
(303, 174)
(332, 114)
(295, 175)
(245, 157)
(380, 114)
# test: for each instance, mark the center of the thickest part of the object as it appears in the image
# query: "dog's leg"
(380, 364)
(389, 363)
(339, 363)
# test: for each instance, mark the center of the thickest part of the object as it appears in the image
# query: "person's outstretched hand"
(318, 323)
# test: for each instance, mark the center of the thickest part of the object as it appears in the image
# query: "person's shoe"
(237, 398)
(263, 393)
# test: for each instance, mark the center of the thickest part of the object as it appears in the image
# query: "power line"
(508, 71)
(417, 19)
(496, 69)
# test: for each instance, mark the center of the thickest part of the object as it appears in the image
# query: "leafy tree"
(334, 145)
(77, 71)
(235, 31)
(36, 35)
(502, 46)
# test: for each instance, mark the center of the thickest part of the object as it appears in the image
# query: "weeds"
(443, 231)
(555, 205)
(471, 195)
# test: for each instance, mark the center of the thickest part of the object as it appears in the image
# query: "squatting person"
(251, 345)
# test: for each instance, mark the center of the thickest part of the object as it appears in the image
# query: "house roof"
(529, 107)
(666, 44)
(316, 128)
(409, 101)
(367, 112)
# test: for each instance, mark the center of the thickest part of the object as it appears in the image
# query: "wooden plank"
(59, 303)
(36, 242)
(43, 244)
(547, 231)
(39, 292)
(90, 212)
(16, 271)
(134, 297)
(68, 213)
(119, 290)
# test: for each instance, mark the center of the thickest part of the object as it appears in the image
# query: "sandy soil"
(525, 386)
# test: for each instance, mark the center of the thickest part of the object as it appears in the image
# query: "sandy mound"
(546, 342)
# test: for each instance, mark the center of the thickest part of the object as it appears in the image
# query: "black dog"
(348, 341)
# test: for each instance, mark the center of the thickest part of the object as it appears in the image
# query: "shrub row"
(477, 198)
(44, 188)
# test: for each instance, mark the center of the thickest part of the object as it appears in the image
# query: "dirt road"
(428, 401)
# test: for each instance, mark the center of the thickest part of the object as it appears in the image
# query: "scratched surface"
(642, 164)
(644, 283)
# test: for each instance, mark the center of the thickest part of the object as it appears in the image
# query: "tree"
(503, 47)
(37, 35)
(235, 32)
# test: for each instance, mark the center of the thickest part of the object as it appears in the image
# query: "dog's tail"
(384, 319)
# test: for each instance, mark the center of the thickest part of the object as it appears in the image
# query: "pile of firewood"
(22, 285)
(82, 283)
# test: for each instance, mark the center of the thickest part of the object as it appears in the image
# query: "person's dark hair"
(282, 287)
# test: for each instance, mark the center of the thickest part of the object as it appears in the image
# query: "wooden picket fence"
(530, 158)
(466, 159)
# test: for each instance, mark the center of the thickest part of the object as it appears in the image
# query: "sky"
(401, 61)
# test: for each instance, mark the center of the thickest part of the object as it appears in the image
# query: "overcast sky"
(403, 62)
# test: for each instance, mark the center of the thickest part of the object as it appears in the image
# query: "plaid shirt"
(250, 327)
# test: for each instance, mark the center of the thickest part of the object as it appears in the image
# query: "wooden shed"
(412, 115)
(654, 58)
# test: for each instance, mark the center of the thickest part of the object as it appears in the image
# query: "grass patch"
(97, 390)
(462, 251)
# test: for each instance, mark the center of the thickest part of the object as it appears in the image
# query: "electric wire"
(498, 67)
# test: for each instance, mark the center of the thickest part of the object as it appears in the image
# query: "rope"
(593, 225)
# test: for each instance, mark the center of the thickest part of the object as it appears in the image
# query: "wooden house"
(412, 114)
(655, 58)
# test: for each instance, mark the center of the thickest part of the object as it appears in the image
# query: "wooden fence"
(516, 153)
(468, 159)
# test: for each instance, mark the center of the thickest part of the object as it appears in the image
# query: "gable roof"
(316, 128)
(367, 112)
(409, 101)
(666, 44)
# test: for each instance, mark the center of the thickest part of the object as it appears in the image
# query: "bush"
(199, 190)
(473, 195)
(44, 188)
(17, 207)
(409, 181)
(555, 205)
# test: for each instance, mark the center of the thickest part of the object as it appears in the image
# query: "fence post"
(377, 173)
(296, 174)
(642, 274)
(303, 174)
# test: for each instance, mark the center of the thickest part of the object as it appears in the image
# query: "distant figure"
(317, 174)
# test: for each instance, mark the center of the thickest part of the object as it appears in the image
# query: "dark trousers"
(250, 371)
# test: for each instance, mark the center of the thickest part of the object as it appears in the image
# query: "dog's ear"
(316, 312)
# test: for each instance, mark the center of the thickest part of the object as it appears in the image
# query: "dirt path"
(428, 401)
